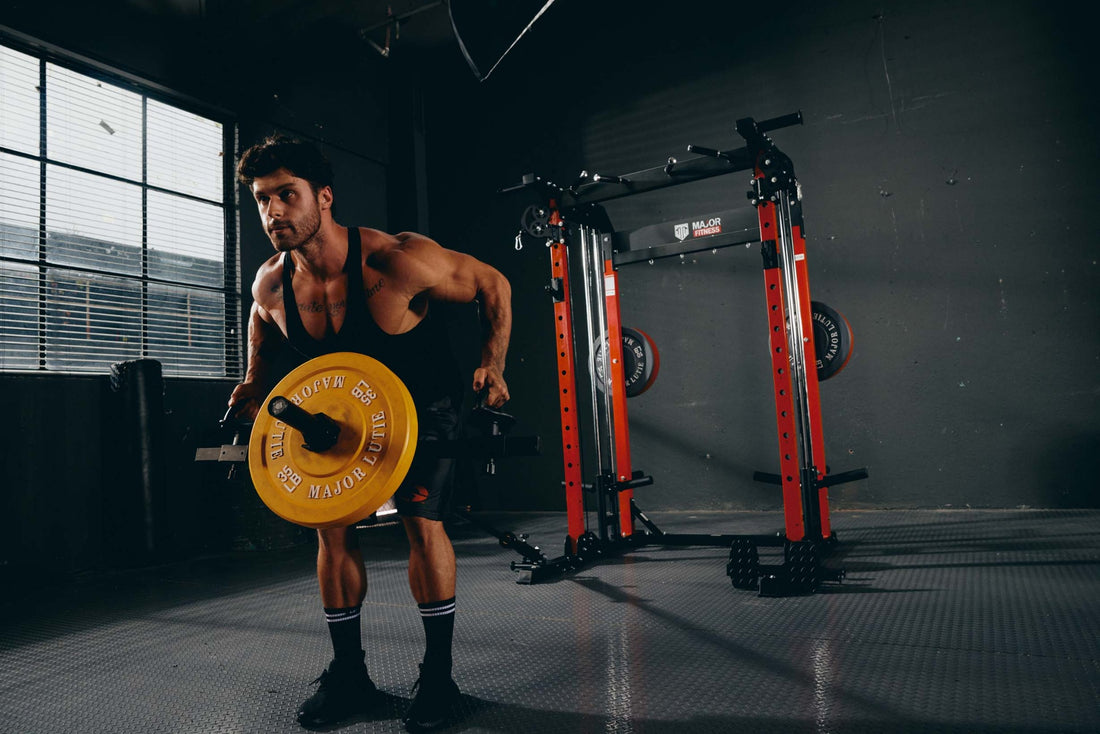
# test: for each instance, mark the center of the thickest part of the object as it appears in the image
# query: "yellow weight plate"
(378, 430)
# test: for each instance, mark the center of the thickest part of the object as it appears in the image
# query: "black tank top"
(422, 357)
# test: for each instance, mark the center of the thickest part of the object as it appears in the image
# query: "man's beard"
(300, 233)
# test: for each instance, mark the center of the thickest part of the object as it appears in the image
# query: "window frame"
(232, 361)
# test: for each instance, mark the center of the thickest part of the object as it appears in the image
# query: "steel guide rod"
(589, 316)
(599, 297)
(596, 326)
(796, 344)
(796, 340)
(591, 309)
(610, 526)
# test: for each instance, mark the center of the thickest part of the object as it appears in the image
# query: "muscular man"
(329, 289)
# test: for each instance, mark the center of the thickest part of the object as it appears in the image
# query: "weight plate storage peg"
(360, 423)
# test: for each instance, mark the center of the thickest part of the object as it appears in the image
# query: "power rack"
(574, 224)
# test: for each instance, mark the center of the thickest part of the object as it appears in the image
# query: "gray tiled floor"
(948, 621)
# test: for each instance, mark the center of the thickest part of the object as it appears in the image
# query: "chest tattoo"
(375, 288)
(318, 307)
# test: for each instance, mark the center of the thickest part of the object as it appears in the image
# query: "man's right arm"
(264, 337)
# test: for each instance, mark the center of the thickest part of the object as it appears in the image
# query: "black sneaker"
(345, 690)
(435, 705)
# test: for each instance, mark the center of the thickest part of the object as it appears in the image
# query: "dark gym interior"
(944, 160)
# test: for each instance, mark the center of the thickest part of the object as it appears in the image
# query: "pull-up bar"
(598, 188)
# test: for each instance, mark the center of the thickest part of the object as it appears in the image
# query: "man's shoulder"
(375, 238)
(268, 284)
(384, 251)
(378, 242)
(408, 260)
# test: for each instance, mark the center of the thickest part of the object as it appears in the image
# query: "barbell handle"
(795, 118)
(708, 152)
(319, 431)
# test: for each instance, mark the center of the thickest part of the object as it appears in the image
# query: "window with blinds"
(113, 222)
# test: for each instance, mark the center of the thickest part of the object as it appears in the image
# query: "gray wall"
(947, 166)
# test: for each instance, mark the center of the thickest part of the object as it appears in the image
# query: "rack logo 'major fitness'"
(698, 228)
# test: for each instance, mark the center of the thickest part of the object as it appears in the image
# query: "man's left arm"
(447, 275)
(495, 297)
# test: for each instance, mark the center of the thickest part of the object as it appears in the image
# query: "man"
(331, 288)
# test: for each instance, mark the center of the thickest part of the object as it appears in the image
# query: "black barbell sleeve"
(319, 431)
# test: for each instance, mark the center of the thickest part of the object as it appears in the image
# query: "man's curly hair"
(302, 159)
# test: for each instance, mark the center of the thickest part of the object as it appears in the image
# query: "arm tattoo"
(375, 288)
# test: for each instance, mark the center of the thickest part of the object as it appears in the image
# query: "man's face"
(289, 210)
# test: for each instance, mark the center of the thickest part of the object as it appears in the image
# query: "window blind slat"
(19, 123)
(125, 269)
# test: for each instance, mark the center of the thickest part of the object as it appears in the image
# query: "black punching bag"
(135, 525)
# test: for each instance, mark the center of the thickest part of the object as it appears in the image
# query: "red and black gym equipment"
(574, 225)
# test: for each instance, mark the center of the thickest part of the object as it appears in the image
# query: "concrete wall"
(946, 162)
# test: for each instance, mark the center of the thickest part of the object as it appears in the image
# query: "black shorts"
(426, 490)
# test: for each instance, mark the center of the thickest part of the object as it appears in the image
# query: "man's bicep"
(445, 275)
(467, 279)
(260, 313)
(264, 332)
